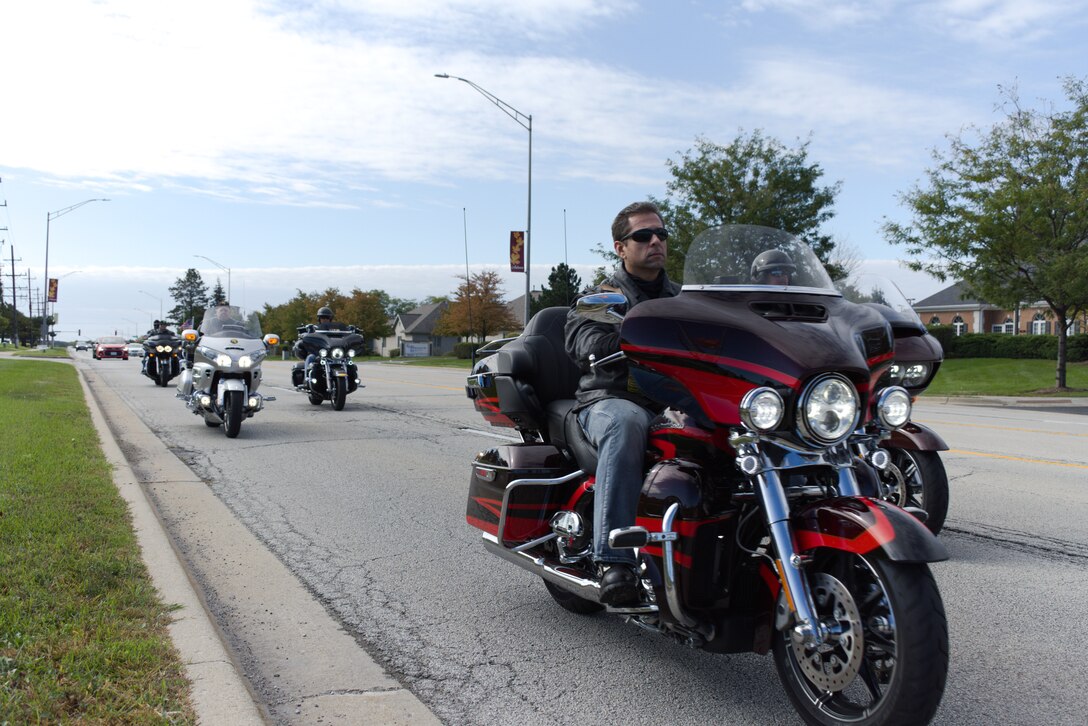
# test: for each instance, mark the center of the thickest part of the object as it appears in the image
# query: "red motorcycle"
(759, 527)
(915, 478)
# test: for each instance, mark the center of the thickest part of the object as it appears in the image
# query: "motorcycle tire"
(571, 602)
(164, 376)
(339, 393)
(316, 398)
(927, 484)
(888, 664)
(232, 414)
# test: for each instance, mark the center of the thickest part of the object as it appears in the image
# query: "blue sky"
(308, 144)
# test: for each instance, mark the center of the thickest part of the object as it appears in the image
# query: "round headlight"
(893, 407)
(324, 352)
(895, 374)
(916, 374)
(762, 409)
(167, 348)
(828, 410)
(351, 352)
(160, 349)
(337, 352)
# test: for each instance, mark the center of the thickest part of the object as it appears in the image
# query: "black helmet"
(771, 260)
(325, 312)
(156, 324)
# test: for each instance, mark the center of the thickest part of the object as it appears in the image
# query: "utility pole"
(14, 316)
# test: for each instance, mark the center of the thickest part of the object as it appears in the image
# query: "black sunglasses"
(642, 236)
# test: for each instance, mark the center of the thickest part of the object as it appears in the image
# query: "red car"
(110, 346)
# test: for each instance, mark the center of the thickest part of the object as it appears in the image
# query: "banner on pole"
(517, 251)
(52, 296)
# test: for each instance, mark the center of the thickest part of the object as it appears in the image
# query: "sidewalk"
(322, 675)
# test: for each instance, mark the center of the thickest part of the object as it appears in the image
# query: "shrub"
(395, 353)
(465, 350)
(1003, 345)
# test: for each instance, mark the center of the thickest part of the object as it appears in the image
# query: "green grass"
(1006, 377)
(439, 361)
(83, 634)
(34, 353)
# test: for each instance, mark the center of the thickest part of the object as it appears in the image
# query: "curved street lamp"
(222, 267)
(49, 217)
(526, 122)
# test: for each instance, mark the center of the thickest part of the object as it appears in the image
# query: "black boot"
(619, 586)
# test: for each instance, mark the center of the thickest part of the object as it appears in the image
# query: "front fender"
(916, 437)
(862, 525)
(230, 384)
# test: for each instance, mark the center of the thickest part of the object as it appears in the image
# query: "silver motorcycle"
(223, 368)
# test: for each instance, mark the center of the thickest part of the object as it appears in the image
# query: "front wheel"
(918, 479)
(164, 374)
(885, 658)
(339, 393)
(232, 413)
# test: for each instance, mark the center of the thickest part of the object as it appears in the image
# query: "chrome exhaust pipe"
(553, 571)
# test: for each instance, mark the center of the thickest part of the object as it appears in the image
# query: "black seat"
(535, 379)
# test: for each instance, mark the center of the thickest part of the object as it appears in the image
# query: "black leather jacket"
(585, 337)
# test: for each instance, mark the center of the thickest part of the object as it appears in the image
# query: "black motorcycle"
(326, 371)
(162, 360)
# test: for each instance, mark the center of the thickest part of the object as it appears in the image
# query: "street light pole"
(154, 297)
(222, 267)
(49, 217)
(526, 122)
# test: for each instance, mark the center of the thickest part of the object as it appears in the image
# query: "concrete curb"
(219, 693)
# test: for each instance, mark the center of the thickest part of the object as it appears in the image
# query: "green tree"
(367, 312)
(477, 309)
(219, 296)
(1006, 211)
(753, 180)
(190, 296)
(564, 284)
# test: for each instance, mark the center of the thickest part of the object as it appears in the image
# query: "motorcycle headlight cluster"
(163, 348)
(916, 374)
(828, 410)
(762, 409)
(893, 407)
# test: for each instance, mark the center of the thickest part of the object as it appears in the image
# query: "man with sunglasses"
(612, 411)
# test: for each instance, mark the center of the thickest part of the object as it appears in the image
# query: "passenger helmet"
(771, 260)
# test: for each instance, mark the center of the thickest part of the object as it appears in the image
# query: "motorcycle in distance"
(915, 478)
(223, 368)
(162, 362)
(758, 526)
(326, 371)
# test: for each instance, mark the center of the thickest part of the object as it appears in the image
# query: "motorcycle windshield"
(872, 289)
(749, 256)
(229, 321)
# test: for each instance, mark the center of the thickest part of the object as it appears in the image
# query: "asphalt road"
(366, 508)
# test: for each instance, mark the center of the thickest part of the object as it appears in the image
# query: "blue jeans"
(618, 428)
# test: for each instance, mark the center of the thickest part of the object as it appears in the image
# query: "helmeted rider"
(772, 267)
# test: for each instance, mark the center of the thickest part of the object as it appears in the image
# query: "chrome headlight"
(160, 349)
(351, 352)
(762, 409)
(337, 353)
(893, 407)
(916, 374)
(167, 348)
(828, 410)
(324, 353)
(223, 361)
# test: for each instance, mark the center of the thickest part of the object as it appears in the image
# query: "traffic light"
(79, 331)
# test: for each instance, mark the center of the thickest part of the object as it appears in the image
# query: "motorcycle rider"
(772, 267)
(611, 410)
(324, 322)
(224, 315)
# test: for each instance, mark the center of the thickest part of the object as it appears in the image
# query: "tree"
(477, 309)
(190, 296)
(219, 296)
(1006, 211)
(563, 286)
(367, 312)
(753, 180)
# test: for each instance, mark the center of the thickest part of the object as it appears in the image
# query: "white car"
(135, 350)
